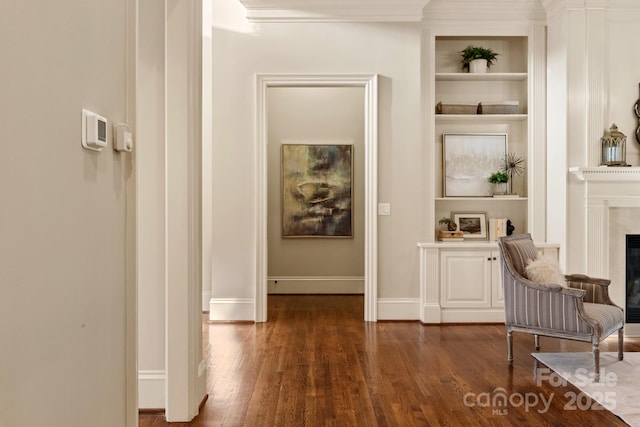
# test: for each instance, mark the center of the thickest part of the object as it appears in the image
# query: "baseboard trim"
(315, 285)
(398, 308)
(151, 392)
(231, 309)
(495, 315)
(206, 297)
(632, 330)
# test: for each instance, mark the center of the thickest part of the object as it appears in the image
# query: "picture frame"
(317, 190)
(472, 224)
(468, 160)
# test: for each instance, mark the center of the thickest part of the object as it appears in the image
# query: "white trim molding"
(334, 10)
(399, 309)
(151, 394)
(489, 13)
(231, 309)
(370, 84)
(315, 284)
(610, 174)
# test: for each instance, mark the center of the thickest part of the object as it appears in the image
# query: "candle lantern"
(614, 150)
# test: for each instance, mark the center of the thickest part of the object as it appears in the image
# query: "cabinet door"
(497, 294)
(465, 279)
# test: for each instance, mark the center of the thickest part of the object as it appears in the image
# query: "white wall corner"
(202, 378)
(151, 393)
(231, 309)
(431, 313)
(206, 297)
(398, 308)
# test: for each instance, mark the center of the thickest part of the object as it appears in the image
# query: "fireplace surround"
(612, 207)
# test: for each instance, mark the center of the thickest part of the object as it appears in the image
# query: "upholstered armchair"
(578, 309)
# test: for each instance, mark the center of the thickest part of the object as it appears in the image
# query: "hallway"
(315, 362)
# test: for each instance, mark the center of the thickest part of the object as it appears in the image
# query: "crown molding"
(556, 7)
(483, 11)
(334, 10)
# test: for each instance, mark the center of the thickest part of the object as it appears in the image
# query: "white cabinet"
(467, 279)
(462, 282)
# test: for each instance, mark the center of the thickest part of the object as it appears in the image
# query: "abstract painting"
(317, 190)
(469, 159)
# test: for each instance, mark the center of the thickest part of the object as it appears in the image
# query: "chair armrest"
(597, 290)
(551, 287)
(546, 307)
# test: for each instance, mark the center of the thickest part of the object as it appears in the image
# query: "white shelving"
(518, 75)
(482, 199)
(480, 77)
(479, 118)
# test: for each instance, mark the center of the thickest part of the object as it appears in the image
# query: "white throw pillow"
(545, 271)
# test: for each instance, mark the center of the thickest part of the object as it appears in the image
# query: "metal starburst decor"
(513, 165)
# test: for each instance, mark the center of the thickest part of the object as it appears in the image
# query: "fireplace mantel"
(606, 173)
(608, 188)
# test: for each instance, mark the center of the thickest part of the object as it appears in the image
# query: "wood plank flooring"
(317, 363)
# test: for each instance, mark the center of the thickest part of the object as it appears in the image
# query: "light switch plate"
(384, 208)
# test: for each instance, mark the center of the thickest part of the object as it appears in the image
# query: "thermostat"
(94, 131)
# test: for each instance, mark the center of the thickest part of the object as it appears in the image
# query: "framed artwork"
(469, 159)
(317, 190)
(472, 224)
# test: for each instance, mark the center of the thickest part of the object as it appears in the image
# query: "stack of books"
(450, 236)
(497, 228)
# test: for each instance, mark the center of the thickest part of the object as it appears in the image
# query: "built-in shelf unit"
(460, 281)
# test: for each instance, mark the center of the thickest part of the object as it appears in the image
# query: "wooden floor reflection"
(315, 362)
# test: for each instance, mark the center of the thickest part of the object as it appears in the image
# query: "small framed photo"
(472, 224)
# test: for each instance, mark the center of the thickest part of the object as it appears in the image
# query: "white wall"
(240, 52)
(62, 216)
(623, 77)
(601, 88)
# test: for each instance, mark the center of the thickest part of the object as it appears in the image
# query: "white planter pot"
(478, 66)
(501, 188)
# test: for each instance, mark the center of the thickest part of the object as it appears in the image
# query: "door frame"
(370, 84)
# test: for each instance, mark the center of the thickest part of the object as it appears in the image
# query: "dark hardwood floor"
(317, 363)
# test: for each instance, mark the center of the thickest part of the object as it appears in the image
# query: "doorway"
(369, 227)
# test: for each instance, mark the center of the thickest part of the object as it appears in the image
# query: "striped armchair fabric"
(581, 311)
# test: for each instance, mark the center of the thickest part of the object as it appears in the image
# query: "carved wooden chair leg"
(620, 343)
(596, 361)
(536, 339)
(509, 346)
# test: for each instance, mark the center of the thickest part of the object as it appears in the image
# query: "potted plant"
(451, 226)
(477, 59)
(499, 180)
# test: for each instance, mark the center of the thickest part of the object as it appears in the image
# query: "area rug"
(618, 390)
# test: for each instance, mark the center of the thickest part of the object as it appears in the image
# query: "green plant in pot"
(471, 53)
(451, 226)
(499, 180)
